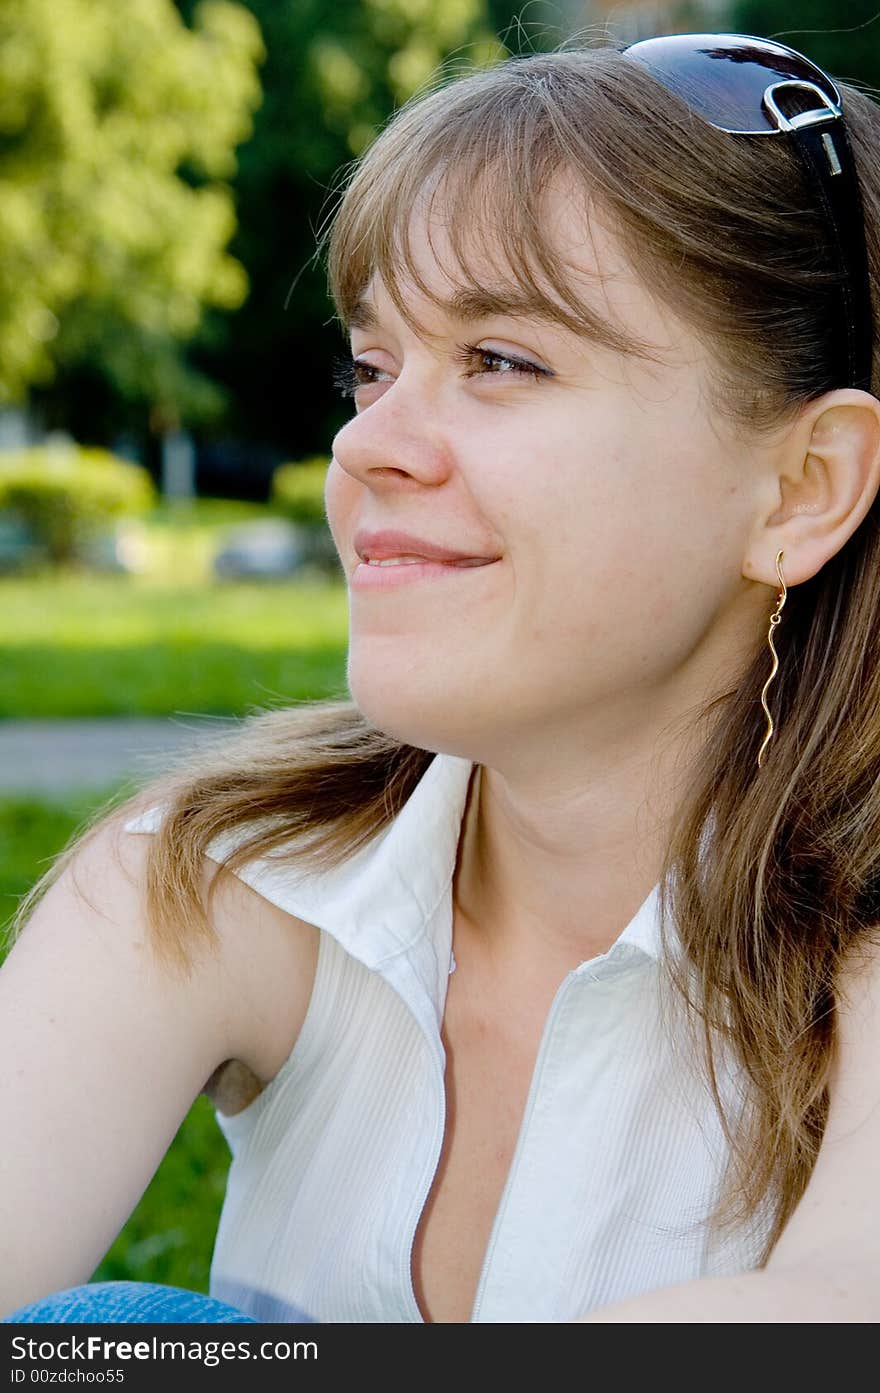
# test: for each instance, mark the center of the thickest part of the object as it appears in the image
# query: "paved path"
(58, 757)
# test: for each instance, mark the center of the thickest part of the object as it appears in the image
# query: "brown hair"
(772, 876)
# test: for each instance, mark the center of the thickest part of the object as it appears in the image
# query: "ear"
(820, 481)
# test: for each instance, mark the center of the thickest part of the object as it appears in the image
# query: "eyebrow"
(466, 305)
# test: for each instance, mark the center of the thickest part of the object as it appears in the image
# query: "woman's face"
(614, 505)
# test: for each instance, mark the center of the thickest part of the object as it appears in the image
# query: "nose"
(400, 434)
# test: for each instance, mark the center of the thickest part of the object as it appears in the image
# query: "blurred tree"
(118, 127)
(335, 70)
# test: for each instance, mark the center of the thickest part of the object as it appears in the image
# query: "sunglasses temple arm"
(826, 154)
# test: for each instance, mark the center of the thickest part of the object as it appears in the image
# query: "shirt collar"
(380, 901)
(390, 906)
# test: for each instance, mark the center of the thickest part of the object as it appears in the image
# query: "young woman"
(538, 980)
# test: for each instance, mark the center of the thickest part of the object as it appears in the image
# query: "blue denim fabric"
(109, 1302)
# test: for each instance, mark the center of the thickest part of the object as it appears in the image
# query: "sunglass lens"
(723, 77)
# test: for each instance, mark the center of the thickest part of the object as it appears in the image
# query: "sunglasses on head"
(736, 82)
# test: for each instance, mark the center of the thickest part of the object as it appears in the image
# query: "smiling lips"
(395, 573)
(415, 560)
(403, 548)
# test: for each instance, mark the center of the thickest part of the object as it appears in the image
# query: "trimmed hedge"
(65, 496)
(298, 490)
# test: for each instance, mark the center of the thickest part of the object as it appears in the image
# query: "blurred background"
(166, 400)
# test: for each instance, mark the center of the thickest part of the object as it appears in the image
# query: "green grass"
(80, 645)
(170, 1235)
(169, 638)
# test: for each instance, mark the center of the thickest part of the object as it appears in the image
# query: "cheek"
(606, 550)
(576, 521)
(340, 501)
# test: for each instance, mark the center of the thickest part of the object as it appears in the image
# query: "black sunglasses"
(733, 81)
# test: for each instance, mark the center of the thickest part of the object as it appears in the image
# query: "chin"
(407, 715)
(398, 714)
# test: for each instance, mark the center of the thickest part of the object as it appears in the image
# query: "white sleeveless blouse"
(620, 1151)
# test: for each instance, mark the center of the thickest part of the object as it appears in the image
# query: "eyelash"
(346, 367)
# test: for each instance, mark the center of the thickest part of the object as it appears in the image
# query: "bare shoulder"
(266, 966)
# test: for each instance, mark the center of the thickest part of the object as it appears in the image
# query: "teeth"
(397, 561)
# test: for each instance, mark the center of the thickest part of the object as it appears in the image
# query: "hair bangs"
(486, 179)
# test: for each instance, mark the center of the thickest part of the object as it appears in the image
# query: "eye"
(501, 363)
(349, 373)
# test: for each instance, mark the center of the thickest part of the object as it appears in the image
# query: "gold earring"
(774, 620)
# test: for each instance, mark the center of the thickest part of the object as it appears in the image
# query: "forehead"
(586, 255)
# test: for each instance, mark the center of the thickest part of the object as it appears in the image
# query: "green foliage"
(118, 126)
(364, 65)
(68, 495)
(298, 490)
(844, 42)
(334, 72)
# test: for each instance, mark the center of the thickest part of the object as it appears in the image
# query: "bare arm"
(101, 1055)
(831, 1293)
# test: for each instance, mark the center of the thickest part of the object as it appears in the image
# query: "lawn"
(169, 638)
(170, 1235)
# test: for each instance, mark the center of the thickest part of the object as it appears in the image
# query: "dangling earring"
(774, 620)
